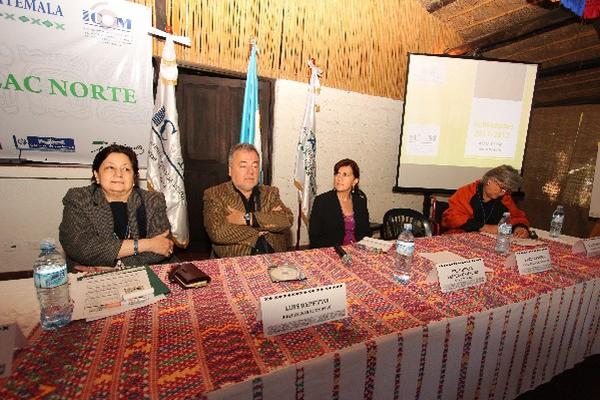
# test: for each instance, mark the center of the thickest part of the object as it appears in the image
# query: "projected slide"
(461, 118)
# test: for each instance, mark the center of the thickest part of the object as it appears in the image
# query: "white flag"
(306, 157)
(165, 162)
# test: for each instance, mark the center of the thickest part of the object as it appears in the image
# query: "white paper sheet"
(442, 257)
(105, 294)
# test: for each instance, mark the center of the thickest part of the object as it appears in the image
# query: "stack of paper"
(109, 293)
(372, 244)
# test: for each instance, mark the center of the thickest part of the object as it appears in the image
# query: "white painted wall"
(364, 128)
(349, 125)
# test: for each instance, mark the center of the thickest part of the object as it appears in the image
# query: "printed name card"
(290, 311)
(461, 274)
(531, 261)
(11, 338)
(591, 247)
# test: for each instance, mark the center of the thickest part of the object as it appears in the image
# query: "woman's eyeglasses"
(503, 189)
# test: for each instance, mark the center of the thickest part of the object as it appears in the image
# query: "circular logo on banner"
(102, 15)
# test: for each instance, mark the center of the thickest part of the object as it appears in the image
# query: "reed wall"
(361, 45)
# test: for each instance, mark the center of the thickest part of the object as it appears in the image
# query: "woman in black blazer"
(340, 216)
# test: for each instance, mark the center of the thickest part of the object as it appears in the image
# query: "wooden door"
(210, 111)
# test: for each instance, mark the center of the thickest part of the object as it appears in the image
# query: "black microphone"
(346, 258)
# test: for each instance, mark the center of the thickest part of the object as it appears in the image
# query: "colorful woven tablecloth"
(197, 341)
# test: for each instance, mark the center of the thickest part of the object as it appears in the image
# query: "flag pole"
(299, 224)
(312, 66)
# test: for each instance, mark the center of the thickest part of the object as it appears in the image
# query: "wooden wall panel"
(361, 45)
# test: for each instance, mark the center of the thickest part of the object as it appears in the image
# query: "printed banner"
(75, 76)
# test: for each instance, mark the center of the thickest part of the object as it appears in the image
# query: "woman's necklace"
(127, 234)
(485, 217)
(346, 205)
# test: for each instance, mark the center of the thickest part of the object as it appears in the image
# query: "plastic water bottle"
(504, 234)
(51, 283)
(405, 248)
(558, 217)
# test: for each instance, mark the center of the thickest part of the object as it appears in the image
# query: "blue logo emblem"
(106, 18)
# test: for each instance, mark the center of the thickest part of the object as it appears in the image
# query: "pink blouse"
(349, 236)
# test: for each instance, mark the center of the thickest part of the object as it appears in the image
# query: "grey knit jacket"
(86, 231)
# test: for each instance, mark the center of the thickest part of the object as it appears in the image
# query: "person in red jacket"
(479, 205)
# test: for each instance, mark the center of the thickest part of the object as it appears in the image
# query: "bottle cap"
(47, 244)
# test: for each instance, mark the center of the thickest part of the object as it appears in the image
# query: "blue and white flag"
(165, 162)
(305, 176)
(250, 132)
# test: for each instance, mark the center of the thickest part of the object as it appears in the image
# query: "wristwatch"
(247, 218)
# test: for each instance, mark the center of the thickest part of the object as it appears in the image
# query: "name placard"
(533, 261)
(590, 247)
(460, 274)
(290, 311)
(11, 338)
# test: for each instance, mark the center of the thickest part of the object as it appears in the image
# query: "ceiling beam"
(548, 28)
(433, 7)
(569, 68)
(552, 20)
(567, 102)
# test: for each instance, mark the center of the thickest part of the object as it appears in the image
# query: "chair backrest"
(394, 220)
(437, 209)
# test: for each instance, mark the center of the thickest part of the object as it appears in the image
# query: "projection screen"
(461, 118)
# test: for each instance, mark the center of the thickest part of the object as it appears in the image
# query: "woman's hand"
(489, 228)
(159, 244)
(521, 232)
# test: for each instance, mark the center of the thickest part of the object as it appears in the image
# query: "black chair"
(394, 220)
(437, 209)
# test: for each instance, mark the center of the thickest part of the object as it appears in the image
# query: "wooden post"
(161, 14)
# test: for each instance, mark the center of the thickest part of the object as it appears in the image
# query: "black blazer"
(326, 227)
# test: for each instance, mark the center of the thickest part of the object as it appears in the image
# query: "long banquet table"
(496, 340)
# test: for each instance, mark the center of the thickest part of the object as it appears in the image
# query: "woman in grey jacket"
(113, 219)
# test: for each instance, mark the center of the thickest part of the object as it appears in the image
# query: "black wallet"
(189, 276)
